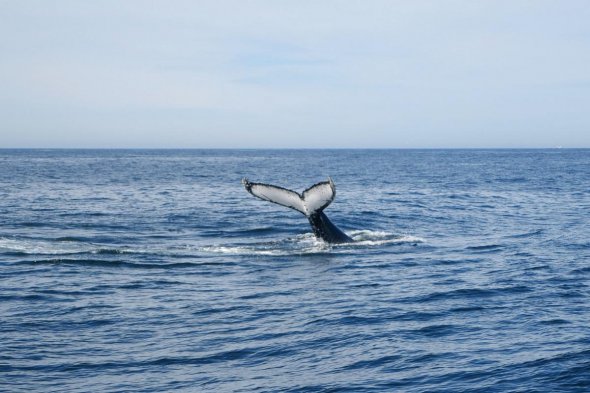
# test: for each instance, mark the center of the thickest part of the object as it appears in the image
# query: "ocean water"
(152, 271)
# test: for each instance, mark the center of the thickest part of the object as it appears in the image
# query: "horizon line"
(295, 148)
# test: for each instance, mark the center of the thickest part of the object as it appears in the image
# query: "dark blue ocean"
(155, 271)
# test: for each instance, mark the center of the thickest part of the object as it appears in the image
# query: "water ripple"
(155, 271)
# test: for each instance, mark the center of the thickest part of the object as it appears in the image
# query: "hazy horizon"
(289, 75)
(294, 148)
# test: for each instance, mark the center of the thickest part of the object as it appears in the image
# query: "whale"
(311, 203)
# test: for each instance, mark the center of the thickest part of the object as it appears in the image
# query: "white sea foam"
(55, 247)
(379, 238)
(43, 247)
(254, 251)
(308, 244)
(298, 245)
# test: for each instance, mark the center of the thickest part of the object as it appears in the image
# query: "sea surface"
(155, 271)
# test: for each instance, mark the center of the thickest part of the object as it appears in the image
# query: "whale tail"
(310, 202)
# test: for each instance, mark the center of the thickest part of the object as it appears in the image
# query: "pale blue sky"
(295, 73)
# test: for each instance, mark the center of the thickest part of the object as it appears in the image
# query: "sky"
(294, 74)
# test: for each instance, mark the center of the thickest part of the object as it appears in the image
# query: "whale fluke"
(315, 198)
(310, 202)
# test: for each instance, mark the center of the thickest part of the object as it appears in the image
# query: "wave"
(42, 247)
(59, 246)
(379, 238)
(298, 245)
(303, 244)
(486, 248)
(93, 262)
(308, 244)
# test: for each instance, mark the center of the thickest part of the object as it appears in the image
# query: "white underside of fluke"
(314, 199)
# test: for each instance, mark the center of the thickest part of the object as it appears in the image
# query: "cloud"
(294, 74)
